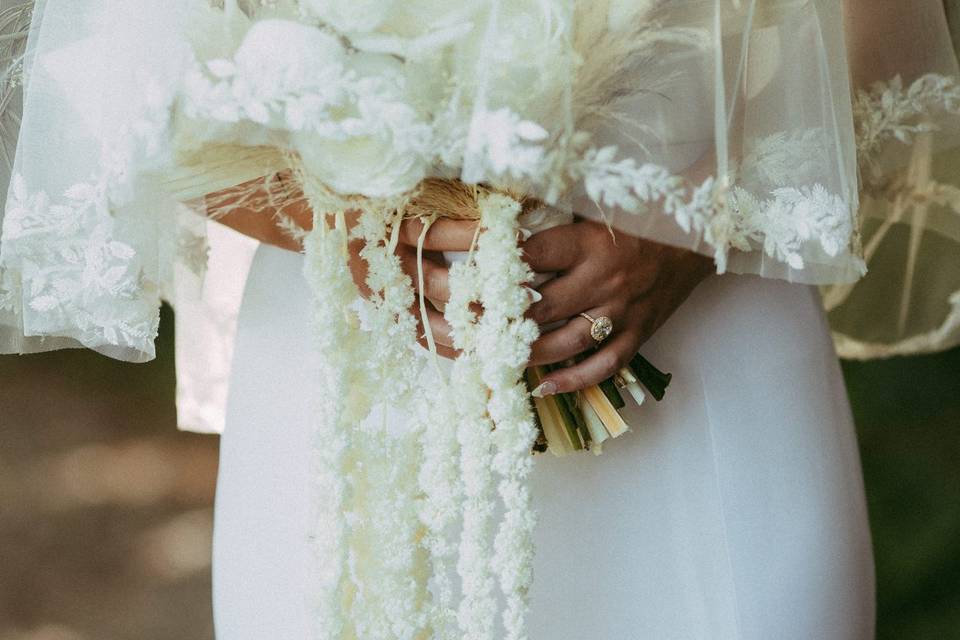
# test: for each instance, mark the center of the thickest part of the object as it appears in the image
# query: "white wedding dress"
(734, 510)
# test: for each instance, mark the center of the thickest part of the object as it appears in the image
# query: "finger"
(443, 235)
(436, 275)
(440, 329)
(556, 249)
(603, 364)
(444, 352)
(436, 256)
(563, 343)
(359, 267)
(438, 325)
(566, 296)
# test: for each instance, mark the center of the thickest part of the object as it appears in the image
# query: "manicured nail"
(548, 388)
(525, 234)
(535, 295)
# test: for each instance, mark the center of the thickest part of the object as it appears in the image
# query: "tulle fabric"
(15, 26)
(100, 224)
(89, 238)
(906, 74)
(764, 107)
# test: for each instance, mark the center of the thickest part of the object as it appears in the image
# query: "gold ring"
(600, 328)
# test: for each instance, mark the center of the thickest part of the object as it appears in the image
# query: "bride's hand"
(635, 282)
(443, 235)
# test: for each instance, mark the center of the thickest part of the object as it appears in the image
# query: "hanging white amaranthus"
(387, 560)
(505, 337)
(371, 474)
(333, 447)
(496, 430)
(477, 610)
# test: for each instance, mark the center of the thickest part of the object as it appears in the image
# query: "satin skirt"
(733, 510)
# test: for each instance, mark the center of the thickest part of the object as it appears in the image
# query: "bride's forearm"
(257, 208)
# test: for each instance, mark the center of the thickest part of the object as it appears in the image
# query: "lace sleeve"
(89, 243)
(907, 110)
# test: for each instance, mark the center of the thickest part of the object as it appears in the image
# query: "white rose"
(528, 52)
(278, 57)
(368, 165)
(378, 145)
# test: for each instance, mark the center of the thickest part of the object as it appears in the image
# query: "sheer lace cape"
(748, 108)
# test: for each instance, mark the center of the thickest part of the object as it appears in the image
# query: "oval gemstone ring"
(600, 328)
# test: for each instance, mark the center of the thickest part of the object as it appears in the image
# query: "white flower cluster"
(440, 504)
(374, 97)
(333, 442)
(476, 615)
(389, 599)
(505, 337)
(370, 472)
(362, 91)
(352, 118)
(389, 497)
(496, 430)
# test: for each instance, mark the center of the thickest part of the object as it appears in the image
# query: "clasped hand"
(637, 283)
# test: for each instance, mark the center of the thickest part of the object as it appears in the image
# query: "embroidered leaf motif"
(43, 304)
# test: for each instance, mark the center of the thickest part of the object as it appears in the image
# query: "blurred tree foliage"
(908, 418)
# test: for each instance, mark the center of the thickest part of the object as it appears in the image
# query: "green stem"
(572, 417)
(540, 445)
(653, 379)
(609, 388)
(570, 401)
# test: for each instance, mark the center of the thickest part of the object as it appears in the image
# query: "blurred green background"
(908, 419)
(105, 509)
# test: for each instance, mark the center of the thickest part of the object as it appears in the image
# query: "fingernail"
(546, 389)
(525, 234)
(535, 295)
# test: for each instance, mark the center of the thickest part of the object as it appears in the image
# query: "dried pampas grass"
(436, 197)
